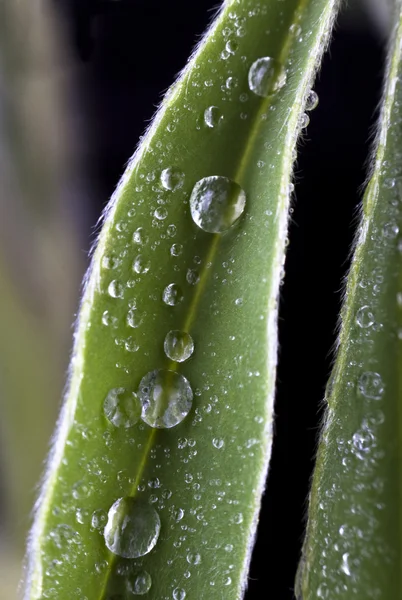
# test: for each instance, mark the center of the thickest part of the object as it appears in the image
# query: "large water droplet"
(178, 345)
(216, 203)
(172, 179)
(140, 584)
(132, 528)
(122, 407)
(266, 76)
(172, 294)
(371, 385)
(212, 116)
(166, 398)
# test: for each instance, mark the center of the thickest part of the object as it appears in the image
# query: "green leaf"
(353, 541)
(190, 493)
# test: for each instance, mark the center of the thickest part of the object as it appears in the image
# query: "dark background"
(127, 53)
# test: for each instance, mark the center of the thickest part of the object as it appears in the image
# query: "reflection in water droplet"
(115, 289)
(166, 398)
(179, 594)
(140, 584)
(371, 385)
(122, 407)
(132, 528)
(178, 345)
(212, 116)
(364, 317)
(172, 294)
(266, 76)
(216, 203)
(312, 100)
(172, 179)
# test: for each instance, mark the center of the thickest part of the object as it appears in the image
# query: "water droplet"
(140, 237)
(132, 528)
(192, 276)
(345, 564)
(160, 213)
(176, 249)
(166, 398)
(266, 76)
(134, 318)
(99, 518)
(193, 558)
(172, 179)
(140, 584)
(391, 230)
(371, 385)
(122, 407)
(212, 116)
(304, 121)
(141, 265)
(108, 319)
(172, 294)
(364, 317)
(179, 594)
(312, 100)
(216, 203)
(115, 289)
(218, 443)
(178, 345)
(110, 262)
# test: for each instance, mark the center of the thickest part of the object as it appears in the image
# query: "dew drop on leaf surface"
(212, 116)
(122, 407)
(172, 294)
(266, 76)
(166, 398)
(132, 528)
(172, 179)
(216, 203)
(139, 584)
(178, 345)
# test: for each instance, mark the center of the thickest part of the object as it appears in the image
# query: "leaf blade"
(210, 469)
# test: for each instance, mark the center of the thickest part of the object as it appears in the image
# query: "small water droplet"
(371, 385)
(312, 100)
(172, 179)
(99, 518)
(179, 594)
(110, 262)
(160, 213)
(115, 289)
(192, 276)
(172, 294)
(132, 528)
(345, 564)
(134, 318)
(178, 345)
(166, 398)
(122, 407)
(193, 558)
(216, 203)
(304, 121)
(218, 443)
(176, 249)
(391, 230)
(212, 116)
(364, 317)
(141, 265)
(140, 237)
(140, 584)
(266, 76)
